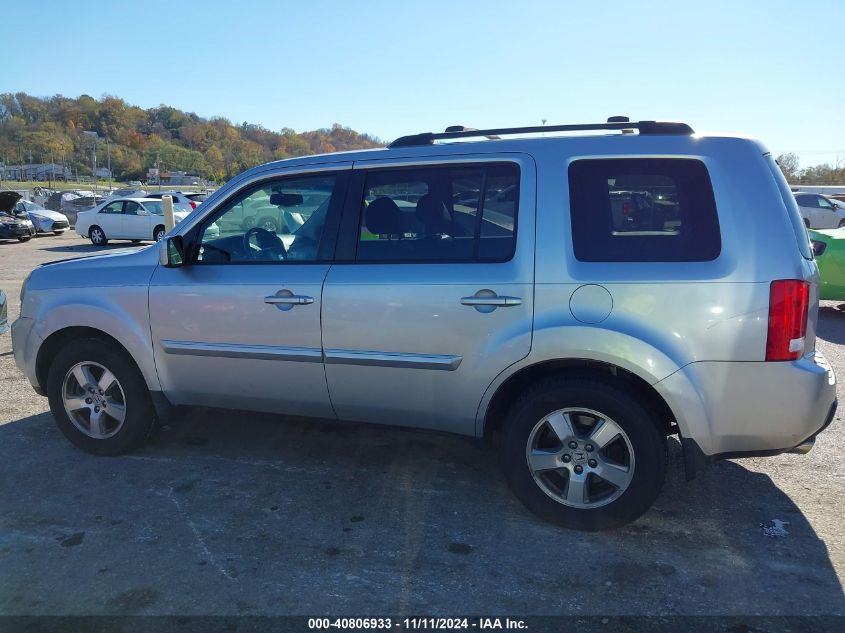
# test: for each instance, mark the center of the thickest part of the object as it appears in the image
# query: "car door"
(827, 212)
(110, 219)
(136, 221)
(431, 295)
(238, 326)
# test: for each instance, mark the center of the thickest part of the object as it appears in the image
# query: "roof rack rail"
(614, 123)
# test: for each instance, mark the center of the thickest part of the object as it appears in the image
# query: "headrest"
(383, 217)
(433, 214)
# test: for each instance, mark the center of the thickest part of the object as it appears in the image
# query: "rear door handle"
(491, 301)
(285, 300)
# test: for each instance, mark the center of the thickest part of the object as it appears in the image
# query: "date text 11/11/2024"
(446, 624)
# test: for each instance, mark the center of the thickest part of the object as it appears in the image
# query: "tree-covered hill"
(213, 148)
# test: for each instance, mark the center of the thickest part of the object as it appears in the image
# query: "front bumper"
(25, 346)
(14, 232)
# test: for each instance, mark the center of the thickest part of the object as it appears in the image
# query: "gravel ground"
(236, 513)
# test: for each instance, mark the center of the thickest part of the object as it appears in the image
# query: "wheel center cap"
(579, 457)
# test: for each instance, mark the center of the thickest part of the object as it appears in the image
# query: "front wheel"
(99, 398)
(97, 236)
(841, 223)
(24, 238)
(158, 233)
(583, 454)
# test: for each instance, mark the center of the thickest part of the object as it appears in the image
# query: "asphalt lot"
(236, 513)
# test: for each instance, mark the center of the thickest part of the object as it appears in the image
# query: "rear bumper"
(739, 409)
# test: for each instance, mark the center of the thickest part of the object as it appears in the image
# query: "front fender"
(122, 313)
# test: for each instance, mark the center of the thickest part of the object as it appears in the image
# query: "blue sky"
(770, 69)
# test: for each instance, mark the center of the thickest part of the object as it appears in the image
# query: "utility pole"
(52, 167)
(64, 173)
(108, 152)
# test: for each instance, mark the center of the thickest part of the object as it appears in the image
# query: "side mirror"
(171, 252)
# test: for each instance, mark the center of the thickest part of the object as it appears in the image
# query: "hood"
(46, 213)
(8, 200)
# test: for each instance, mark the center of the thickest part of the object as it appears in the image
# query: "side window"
(278, 221)
(823, 202)
(439, 214)
(643, 210)
(113, 208)
(131, 208)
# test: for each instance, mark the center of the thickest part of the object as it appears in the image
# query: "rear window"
(802, 238)
(643, 210)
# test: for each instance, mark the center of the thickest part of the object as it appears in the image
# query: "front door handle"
(485, 301)
(285, 300)
(491, 301)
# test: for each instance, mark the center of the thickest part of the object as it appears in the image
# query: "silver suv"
(576, 298)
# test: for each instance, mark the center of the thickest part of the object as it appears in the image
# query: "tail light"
(193, 204)
(626, 208)
(789, 303)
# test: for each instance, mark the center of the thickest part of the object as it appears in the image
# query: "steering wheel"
(267, 242)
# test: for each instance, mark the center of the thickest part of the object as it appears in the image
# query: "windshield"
(26, 205)
(836, 203)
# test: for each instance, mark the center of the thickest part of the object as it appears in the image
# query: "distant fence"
(819, 188)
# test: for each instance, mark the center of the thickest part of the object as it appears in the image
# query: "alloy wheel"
(94, 400)
(580, 458)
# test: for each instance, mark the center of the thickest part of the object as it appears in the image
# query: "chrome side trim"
(441, 362)
(232, 350)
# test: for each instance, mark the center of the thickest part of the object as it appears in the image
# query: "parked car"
(4, 314)
(181, 201)
(818, 212)
(199, 198)
(125, 219)
(530, 317)
(829, 249)
(14, 225)
(44, 220)
(129, 192)
(70, 203)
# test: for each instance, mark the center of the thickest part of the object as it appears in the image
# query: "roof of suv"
(653, 137)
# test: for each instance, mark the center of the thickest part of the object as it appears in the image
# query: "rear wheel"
(841, 223)
(24, 238)
(99, 398)
(97, 236)
(806, 223)
(158, 233)
(583, 454)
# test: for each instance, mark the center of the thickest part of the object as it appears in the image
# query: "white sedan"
(125, 219)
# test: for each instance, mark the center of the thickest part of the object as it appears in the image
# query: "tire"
(268, 224)
(841, 223)
(248, 222)
(602, 505)
(97, 236)
(806, 223)
(158, 232)
(24, 238)
(129, 387)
